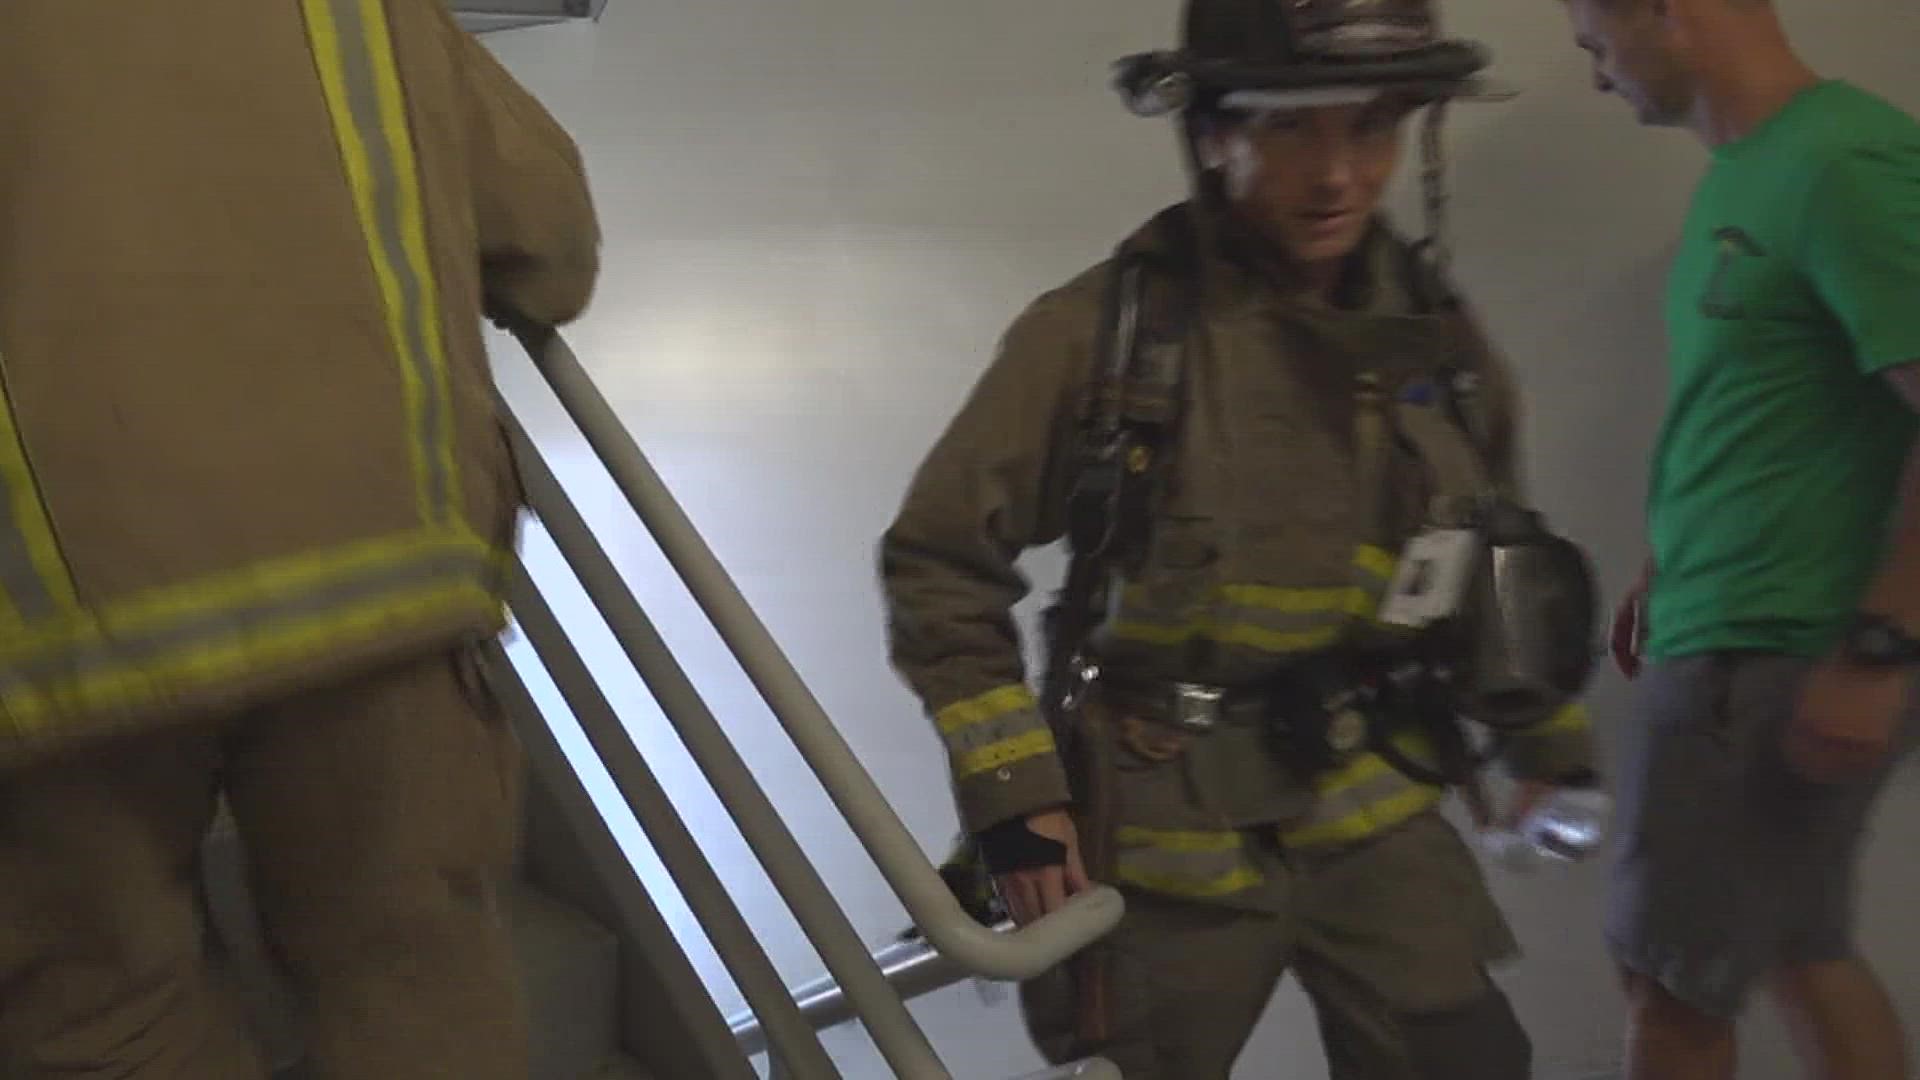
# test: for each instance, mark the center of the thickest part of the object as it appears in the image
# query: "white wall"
(821, 213)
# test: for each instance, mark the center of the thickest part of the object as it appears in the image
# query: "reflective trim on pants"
(1199, 865)
(1366, 797)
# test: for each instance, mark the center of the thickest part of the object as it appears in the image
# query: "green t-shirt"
(1778, 465)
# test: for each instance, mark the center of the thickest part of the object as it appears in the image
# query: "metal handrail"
(1017, 955)
(792, 874)
(913, 968)
(628, 908)
(733, 940)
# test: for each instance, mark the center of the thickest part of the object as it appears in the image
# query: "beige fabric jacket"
(251, 442)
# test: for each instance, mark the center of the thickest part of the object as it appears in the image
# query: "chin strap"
(1433, 188)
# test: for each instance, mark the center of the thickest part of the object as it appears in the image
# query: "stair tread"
(540, 920)
(569, 967)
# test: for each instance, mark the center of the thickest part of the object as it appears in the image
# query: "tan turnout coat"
(249, 442)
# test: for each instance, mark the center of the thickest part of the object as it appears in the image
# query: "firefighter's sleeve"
(539, 236)
(992, 486)
(1561, 750)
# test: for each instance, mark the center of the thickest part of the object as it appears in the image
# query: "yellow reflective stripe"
(1289, 620)
(987, 707)
(116, 671)
(1375, 567)
(1277, 641)
(1170, 884)
(34, 581)
(1270, 618)
(1256, 637)
(1377, 562)
(1370, 766)
(993, 731)
(298, 575)
(1569, 720)
(1368, 821)
(1181, 840)
(1366, 796)
(1345, 599)
(999, 755)
(1176, 862)
(358, 74)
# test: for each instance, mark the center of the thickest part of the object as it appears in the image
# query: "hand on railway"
(1037, 873)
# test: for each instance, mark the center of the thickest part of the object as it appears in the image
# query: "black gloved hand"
(1011, 846)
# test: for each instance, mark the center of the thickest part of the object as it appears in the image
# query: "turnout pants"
(377, 817)
(1390, 940)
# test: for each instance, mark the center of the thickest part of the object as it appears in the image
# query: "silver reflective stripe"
(995, 730)
(970, 738)
(1365, 798)
(275, 612)
(1203, 871)
(391, 213)
(1361, 797)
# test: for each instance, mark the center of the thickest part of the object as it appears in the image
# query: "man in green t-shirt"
(1780, 611)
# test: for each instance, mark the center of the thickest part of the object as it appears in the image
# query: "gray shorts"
(1730, 866)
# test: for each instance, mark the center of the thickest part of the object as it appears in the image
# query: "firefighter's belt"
(1194, 707)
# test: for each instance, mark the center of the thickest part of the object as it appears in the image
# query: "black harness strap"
(1127, 430)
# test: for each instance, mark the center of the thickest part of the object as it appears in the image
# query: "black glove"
(1010, 846)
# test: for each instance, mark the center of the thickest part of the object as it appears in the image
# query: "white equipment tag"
(1431, 581)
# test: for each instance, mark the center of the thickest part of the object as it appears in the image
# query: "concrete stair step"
(570, 969)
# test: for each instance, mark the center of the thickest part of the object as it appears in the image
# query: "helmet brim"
(1474, 90)
(1441, 62)
(1446, 70)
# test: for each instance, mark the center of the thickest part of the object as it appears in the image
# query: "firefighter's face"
(1640, 54)
(1311, 178)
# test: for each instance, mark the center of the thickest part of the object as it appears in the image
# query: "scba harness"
(1490, 615)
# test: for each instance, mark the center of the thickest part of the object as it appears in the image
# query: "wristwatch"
(1880, 642)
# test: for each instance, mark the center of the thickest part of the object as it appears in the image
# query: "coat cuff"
(1005, 763)
(1557, 751)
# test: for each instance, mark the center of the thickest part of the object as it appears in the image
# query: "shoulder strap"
(1127, 429)
(1458, 382)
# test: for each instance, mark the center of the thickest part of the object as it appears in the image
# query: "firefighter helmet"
(1277, 53)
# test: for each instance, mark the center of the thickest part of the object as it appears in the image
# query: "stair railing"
(860, 986)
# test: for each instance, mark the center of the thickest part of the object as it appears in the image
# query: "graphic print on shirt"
(1734, 245)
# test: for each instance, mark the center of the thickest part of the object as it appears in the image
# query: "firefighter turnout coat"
(1267, 547)
(248, 442)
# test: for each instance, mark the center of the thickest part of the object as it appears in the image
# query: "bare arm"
(1895, 590)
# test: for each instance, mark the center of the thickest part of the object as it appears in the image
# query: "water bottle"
(1569, 826)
